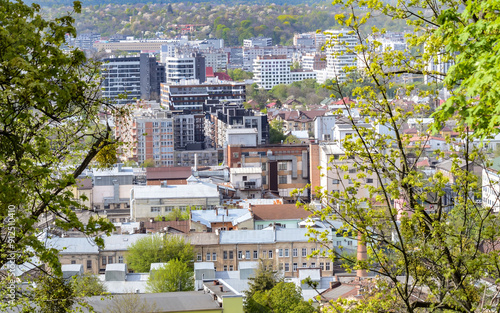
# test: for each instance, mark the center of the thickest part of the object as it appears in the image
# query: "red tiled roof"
(182, 226)
(344, 100)
(223, 76)
(209, 71)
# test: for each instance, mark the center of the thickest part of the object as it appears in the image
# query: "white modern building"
(272, 70)
(185, 67)
(340, 54)
(258, 42)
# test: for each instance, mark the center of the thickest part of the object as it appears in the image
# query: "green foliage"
(87, 285)
(53, 294)
(282, 298)
(265, 279)
(176, 275)
(276, 132)
(50, 132)
(177, 214)
(149, 163)
(239, 74)
(427, 253)
(158, 249)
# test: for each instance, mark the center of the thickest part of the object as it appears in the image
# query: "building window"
(120, 259)
(264, 254)
(198, 258)
(282, 166)
(110, 260)
(349, 243)
(103, 260)
(352, 170)
(231, 267)
(264, 167)
(313, 264)
(240, 255)
(247, 255)
(294, 267)
(73, 262)
(327, 266)
(214, 256)
(155, 209)
(304, 252)
(369, 180)
(208, 256)
(339, 243)
(89, 264)
(260, 227)
(270, 254)
(281, 267)
(295, 252)
(235, 155)
(304, 264)
(313, 250)
(231, 255)
(225, 268)
(335, 181)
(280, 253)
(245, 178)
(224, 255)
(322, 265)
(282, 179)
(255, 254)
(287, 267)
(286, 253)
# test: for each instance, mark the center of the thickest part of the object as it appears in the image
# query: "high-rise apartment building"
(134, 77)
(148, 134)
(185, 67)
(191, 95)
(339, 54)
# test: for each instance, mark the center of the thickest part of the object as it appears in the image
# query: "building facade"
(285, 168)
(133, 77)
(191, 95)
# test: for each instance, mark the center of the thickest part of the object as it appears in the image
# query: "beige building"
(285, 168)
(286, 249)
(331, 178)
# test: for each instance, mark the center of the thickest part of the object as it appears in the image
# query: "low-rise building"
(220, 219)
(148, 202)
(247, 181)
(285, 168)
(284, 215)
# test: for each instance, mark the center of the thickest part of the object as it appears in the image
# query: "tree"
(282, 298)
(52, 294)
(264, 279)
(87, 285)
(403, 218)
(276, 132)
(174, 276)
(130, 303)
(50, 132)
(158, 249)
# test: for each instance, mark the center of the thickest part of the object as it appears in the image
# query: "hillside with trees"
(233, 23)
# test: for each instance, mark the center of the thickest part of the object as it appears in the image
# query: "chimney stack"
(361, 256)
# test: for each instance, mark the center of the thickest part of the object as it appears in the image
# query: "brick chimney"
(361, 256)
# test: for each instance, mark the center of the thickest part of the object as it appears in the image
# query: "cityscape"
(175, 157)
